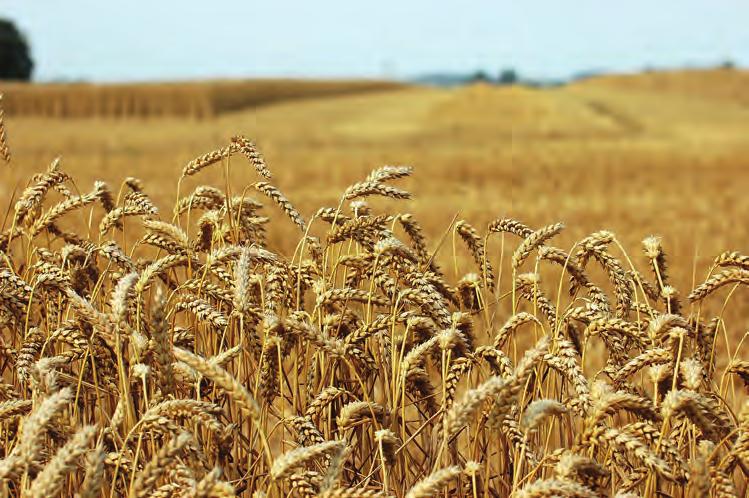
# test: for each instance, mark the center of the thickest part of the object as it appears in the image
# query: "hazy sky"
(107, 40)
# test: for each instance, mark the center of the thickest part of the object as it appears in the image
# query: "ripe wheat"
(183, 357)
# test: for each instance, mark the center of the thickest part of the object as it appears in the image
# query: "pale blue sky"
(109, 40)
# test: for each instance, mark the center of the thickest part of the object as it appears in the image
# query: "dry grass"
(211, 346)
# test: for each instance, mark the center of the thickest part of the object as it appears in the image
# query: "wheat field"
(548, 304)
(196, 100)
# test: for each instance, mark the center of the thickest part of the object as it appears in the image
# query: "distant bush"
(479, 76)
(508, 76)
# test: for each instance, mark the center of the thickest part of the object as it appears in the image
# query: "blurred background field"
(654, 153)
(193, 100)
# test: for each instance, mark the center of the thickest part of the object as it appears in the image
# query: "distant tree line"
(509, 76)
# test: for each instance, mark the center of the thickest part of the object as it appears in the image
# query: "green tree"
(15, 57)
(508, 77)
